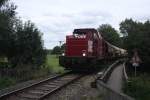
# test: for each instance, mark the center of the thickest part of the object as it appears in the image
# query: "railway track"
(42, 89)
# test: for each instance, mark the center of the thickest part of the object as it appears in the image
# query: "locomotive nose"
(76, 47)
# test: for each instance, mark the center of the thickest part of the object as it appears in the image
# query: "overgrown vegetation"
(12, 76)
(138, 87)
(6, 82)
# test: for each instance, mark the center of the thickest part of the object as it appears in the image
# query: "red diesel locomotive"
(84, 48)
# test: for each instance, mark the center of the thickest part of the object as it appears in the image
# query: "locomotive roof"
(84, 30)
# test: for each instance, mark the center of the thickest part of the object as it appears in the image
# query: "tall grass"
(53, 64)
(139, 87)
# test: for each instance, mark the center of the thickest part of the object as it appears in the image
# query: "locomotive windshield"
(79, 34)
(78, 31)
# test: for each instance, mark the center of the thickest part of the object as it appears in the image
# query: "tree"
(109, 34)
(7, 16)
(20, 42)
(56, 50)
(28, 45)
(137, 36)
(63, 47)
(2, 2)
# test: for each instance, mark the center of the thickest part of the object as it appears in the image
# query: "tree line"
(20, 42)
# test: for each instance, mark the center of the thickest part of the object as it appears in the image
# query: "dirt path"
(115, 80)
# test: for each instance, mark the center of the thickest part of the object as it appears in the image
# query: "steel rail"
(32, 85)
(59, 88)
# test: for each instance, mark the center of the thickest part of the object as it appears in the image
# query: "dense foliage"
(110, 34)
(138, 87)
(7, 16)
(137, 36)
(20, 42)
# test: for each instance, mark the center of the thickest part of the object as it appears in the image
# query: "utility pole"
(60, 43)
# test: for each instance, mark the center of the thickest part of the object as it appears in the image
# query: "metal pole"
(60, 42)
(135, 71)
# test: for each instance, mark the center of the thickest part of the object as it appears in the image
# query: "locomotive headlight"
(63, 54)
(84, 54)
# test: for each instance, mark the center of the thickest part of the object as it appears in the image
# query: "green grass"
(6, 82)
(139, 87)
(53, 64)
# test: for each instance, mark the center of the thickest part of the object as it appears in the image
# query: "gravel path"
(79, 90)
(115, 80)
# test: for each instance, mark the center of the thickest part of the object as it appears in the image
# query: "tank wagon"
(85, 47)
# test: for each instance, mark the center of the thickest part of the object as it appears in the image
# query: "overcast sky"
(58, 18)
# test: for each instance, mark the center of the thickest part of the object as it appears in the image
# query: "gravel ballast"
(80, 90)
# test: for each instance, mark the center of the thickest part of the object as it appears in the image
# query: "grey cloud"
(96, 13)
(58, 18)
(57, 26)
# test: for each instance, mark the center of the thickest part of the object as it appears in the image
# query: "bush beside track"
(10, 76)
